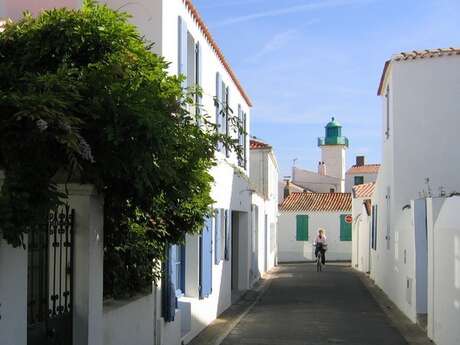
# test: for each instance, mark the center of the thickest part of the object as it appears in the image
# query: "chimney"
(287, 188)
(359, 161)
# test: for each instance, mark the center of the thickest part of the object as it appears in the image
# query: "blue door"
(206, 259)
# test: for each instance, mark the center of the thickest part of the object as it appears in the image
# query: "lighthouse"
(333, 152)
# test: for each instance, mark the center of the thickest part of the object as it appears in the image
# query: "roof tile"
(256, 144)
(364, 169)
(317, 202)
(364, 190)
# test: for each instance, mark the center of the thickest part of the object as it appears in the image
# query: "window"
(345, 227)
(387, 110)
(388, 217)
(178, 262)
(358, 180)
(302, 228)
(374, 228)
(226, 114)
(218, 100)
(332, 190)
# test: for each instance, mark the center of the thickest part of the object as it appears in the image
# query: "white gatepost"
(13, 292)
(88, 264)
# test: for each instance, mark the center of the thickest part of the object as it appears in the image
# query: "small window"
(358, 180)
(332, 190)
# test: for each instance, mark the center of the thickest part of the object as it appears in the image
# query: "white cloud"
(291, 9)
(277, 42)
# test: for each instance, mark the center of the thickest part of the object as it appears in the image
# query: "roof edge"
(383, 77)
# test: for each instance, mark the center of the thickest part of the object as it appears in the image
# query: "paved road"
(303, 307)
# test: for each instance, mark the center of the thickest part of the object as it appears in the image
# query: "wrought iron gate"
(50, 280)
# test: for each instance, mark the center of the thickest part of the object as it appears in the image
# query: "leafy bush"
(82, 98)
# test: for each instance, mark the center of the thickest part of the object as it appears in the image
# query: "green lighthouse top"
(333, 135)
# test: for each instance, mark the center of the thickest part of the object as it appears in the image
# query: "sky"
(304, 61)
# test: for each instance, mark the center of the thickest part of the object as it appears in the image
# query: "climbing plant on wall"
(83, 99)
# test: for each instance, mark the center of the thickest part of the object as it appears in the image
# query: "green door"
(302, 227)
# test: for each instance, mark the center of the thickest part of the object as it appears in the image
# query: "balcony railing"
(333, 141)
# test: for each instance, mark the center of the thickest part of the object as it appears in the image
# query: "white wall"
(424, 123)
(361, 228)
(334, 157)
(13, 294)
(129, 322)
(315, 182)
(289, 249)
(444, 271)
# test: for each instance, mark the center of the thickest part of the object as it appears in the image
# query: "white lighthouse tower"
(333, 152)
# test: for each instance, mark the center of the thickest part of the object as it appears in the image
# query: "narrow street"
(302, 307)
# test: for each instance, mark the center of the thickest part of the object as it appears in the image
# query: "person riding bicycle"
(321, 245)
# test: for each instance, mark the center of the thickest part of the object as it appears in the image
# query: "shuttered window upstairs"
(302, 228)
(182, 49)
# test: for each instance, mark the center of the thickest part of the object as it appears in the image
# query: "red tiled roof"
(364, 190)
(415, 54)
(364, 169)
(255, 144)
(317, 202)
(199, 20)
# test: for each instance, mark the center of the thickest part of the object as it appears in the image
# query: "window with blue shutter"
(168, 290)
(301, 227)
(182, 50)
(206, 259)
(345, 227)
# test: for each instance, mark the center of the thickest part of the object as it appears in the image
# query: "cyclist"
(321, 245)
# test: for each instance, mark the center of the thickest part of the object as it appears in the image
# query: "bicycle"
(319, 257)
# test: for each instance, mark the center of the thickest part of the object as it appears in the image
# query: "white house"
(420, 91)
(361, 227)
(264, 180)
(204, 274)
(302, 214)
(360, 173)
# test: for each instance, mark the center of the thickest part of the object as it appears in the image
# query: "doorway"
(235, 250)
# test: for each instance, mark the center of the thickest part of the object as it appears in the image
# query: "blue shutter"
(168, 290)
(182, 50)
(217, 237)
(219, 107)
(206, 259)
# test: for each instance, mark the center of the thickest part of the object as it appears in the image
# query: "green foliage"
(83, 99)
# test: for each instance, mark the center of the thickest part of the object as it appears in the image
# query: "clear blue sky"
(302, 61)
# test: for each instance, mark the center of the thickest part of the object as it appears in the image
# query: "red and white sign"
(348, 219)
